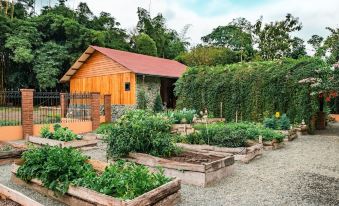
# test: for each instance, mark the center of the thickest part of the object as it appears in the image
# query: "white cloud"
(314, 14)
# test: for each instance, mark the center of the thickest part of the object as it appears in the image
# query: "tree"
(208, 56)
(167, 41)
(142, 100)
(274, 39)
(231, 37)
(331, 45)
(144, 44)
(298, 48)
(316, 42)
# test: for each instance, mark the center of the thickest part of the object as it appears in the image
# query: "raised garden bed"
(209, 120)
(10, 152)
(165, 195)
(85, 142)
(12, 197)
(273, 145)
(290, 135)
(182, 129)
(191, 167)
(243, 154)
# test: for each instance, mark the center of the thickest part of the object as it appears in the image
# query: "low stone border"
(243, 154)
(290, 135)
(7, 157)
(195, 174)
(165, 195)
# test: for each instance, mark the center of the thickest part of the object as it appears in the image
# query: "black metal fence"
(46, 108)
(78, 106)
(10, 108)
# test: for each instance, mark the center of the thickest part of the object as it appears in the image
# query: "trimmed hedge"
(255, 89)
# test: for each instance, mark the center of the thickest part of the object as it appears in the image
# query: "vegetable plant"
(60, 133)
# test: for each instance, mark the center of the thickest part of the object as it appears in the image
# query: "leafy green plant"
(9, 123)
(140, 131)
(283, 123)
(137, 180)
(157, 107)
(270, 122)
(60, 133)
(58, 168)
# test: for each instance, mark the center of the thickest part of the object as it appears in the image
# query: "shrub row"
(230, 135)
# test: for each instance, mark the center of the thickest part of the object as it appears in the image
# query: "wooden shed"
(122, 74)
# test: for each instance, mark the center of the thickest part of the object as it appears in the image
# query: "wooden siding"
(102, 74)
(99, 65)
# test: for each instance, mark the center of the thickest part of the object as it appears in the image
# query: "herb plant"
(60, 133)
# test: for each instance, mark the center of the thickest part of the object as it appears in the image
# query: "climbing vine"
(252, 91)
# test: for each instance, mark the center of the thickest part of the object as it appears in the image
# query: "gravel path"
(305, 172)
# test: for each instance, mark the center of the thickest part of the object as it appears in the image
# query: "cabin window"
(127, 86)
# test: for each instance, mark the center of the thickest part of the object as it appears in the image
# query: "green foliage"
(144, 44)
(281, 123)
(142, 100)
(252, 89)
(139, 131)
(56, 167)
(60, 133)
(137, 180)
(8, 123)
(157, 107)
(208, 56)
(230, 134)
(181, 116)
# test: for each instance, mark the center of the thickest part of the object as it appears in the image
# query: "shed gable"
(99, 64)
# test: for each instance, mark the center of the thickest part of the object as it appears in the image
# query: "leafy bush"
(270, 123)
(56, 167)
(157, 107)
(59, 167)
(231, 134)
(182, 116)
(60, 133)
(137, 180)
(139, 131)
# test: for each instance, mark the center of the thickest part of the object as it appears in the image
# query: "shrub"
(182, 116)
(284, 122)
(270, 123)
(157, 107)
(60, 133)
(142, 100)
(140, 131)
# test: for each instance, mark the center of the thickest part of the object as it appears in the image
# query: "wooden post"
(108, 108)
(27, 111)
(95, 110)
(220, 109)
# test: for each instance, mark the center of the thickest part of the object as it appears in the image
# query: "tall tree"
(298, 48)
(316, 42)
(331, 45)
(274, 39)
(144, 44)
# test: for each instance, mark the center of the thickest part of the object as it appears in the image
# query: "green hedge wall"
(255, 89)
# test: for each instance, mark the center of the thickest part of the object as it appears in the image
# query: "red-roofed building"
(122, 74)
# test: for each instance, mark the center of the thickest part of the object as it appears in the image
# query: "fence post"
(108, 108)
(27, 111)
(63, 104)
(95, 110)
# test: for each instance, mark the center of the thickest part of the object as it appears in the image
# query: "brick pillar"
(108, 108)
(95, 110)
(63, 104)
(27, 111)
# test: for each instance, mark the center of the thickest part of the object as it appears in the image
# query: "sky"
(204, 15)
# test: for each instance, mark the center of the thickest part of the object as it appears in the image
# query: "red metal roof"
(143, 64)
